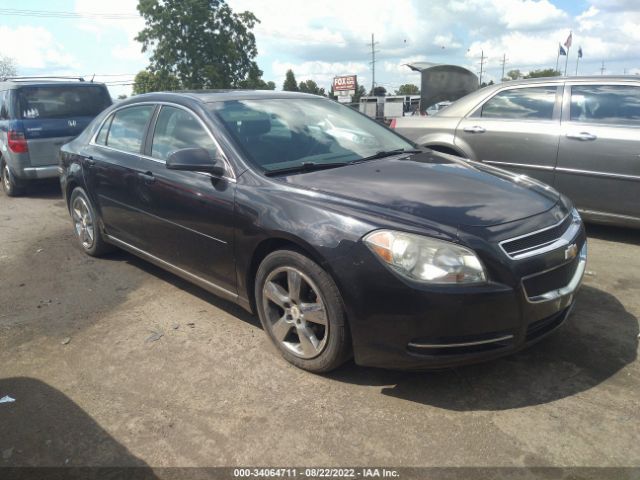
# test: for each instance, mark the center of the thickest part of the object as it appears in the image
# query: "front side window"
(177, 129)
(532, 103)
(128, 127)
(610, 104)
(282, 133)
(62, 101)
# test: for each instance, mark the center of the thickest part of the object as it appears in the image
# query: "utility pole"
(481, 65)
(504, 61)
(602, 69)
(373, 63)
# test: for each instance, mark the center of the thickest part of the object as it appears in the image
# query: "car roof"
(9, 83)
(210, 96)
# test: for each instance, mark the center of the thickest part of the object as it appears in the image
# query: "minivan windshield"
(62, 101)
(284, 134)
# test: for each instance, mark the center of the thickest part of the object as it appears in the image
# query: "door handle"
(474, 129)
(583, 136)
(147, 177)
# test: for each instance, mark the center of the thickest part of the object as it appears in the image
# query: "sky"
(320, 39)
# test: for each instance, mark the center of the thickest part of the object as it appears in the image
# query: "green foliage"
(290, 84)
(203, 43)
(122, 97)
(311, 87)
(545, 72)
(146, 81)
(379, 92)
(254, 80)
(408, 89)
(7, 67)
(513, 75)
(360, 92)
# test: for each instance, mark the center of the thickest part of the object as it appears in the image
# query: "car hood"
(434, 187)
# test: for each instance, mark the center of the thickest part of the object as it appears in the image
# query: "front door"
(599, 156)
(516, 129)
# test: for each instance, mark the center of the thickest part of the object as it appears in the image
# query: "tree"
(513, 74)
(379, 92)
(408, 89)
(311, 87)
(122, 96)
(290, 84)
(254, 80)
(203, 43)
(360, 92)
(485, 84)
(146, 81)
(7, 67)
(545, 72)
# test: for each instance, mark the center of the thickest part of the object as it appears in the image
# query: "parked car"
(37, 116)
(579, 134)
(403, 258)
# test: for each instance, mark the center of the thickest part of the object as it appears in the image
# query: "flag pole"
(558, 58)
(566, 62)
(577, 61)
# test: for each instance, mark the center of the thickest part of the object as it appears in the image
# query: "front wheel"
(301, 310)
(9, 184)
(85, 225)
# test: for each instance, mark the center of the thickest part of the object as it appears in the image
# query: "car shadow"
(597, 341)
(43, 189)
(612, 233)
(45, 428)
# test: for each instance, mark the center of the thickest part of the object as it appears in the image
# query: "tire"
(86, 225)
(10, 186)
(309, 327)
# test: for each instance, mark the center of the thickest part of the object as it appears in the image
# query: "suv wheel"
(301, 310)
(9, 185)
(85, 224)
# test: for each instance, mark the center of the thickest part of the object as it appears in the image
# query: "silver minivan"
(579, 134)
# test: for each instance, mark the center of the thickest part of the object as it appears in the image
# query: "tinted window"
(522, 103)
(4, 105)
(177, 129)
(101, 139)
(128, 128)
(277, 133)
(62, 101)
(616, 104)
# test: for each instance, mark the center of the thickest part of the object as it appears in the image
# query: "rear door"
(54, 114)
(112, 169)
(517, 129)
(599, 156)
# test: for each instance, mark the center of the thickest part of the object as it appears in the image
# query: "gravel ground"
(115, 362)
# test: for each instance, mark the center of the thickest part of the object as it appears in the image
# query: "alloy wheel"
(295, 312)
(6, 179)
(83, 222)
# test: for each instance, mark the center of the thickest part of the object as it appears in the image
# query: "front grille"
(551, 280)
(536, 240)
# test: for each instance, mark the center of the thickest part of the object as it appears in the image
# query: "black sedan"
(343, 237)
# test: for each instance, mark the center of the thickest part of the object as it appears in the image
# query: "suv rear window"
(62, 101)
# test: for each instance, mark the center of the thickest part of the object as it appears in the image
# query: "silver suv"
(579, 134)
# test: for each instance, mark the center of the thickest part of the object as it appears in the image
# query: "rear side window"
(62, 101)
(533, 103)
(127, 128)
(611, 104)
(4, 105)
(177, 129)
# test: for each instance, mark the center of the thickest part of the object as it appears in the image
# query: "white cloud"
(38, 48)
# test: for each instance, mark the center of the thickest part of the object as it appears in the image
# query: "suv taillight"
(17, 142)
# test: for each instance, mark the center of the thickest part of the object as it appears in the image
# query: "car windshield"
(280, 134)
(62, 101)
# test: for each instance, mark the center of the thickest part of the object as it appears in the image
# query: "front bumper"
(423, 327)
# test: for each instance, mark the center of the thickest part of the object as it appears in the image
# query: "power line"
(61, 14)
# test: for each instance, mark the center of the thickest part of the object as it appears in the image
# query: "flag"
(579, 52)
(562, 50)
(569, 40)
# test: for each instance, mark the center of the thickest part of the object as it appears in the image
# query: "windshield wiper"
(305, 167)
(386, 153)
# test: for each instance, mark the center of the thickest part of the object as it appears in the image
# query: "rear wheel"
(9, 184)
(85, 225)
(301, 310)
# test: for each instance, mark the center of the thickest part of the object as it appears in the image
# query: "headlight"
(426, 259)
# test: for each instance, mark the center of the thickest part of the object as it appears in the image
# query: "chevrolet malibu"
(339, 234)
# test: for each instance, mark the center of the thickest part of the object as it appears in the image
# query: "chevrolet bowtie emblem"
(571, 252)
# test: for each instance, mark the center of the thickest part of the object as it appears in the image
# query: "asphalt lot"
(92, 388)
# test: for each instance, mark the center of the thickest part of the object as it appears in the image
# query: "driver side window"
(177, 129)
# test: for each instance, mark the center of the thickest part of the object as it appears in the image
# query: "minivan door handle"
(583, 136)
(474, 129)
(147, 177)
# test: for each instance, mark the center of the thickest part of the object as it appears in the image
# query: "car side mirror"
(195, 160)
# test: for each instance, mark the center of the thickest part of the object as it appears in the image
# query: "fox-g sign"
(344, 83)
